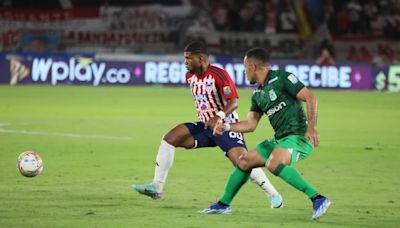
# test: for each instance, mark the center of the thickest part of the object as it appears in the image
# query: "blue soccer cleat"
(276, 201)
(148, 190)
(320, 207)
(217, 208)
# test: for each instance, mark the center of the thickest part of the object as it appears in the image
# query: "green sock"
(236, 180)
(291, 176)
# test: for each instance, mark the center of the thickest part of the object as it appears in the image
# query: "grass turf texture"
(96, 142)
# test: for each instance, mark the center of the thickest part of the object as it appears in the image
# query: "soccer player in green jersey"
(279, 95)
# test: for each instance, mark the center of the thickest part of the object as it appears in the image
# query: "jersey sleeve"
(292, 84)
(187, 76)
(254, 106)
(224, 83)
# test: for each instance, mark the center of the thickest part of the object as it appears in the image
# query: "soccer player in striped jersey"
(215, 98)
(279, 96)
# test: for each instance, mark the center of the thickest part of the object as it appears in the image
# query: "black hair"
(258, 53)
(196, 47)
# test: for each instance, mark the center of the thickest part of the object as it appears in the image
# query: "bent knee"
(271, 166)
(244, 165)
(172, 139)
(179, 137)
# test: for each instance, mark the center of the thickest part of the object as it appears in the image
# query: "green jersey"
(277, 99)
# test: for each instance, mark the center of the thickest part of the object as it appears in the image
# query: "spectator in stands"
(246, 14)
(353, 54)
(270, 17)
(396, 59)
(389, 52)
(377, 25)
(343, 21)
(327, 44)
(235, 21)
(220, 16)
(369, 10)
(382, 58)
(325, 58)
(329, 15)
(365, 55)
(326, 53)
(354, 8)
(258, 19)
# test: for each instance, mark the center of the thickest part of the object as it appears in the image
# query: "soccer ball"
(29, 164)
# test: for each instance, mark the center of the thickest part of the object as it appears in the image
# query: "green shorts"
(297, 145)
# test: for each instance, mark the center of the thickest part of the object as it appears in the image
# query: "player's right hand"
(313, 136)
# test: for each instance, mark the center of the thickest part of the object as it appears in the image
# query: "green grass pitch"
(98, 141)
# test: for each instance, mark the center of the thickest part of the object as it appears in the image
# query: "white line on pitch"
(74, 135)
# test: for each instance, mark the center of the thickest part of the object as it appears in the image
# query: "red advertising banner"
(108, 28)
(47, 15)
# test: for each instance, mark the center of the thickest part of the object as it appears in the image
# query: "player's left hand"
(212, 122)
(313, 136)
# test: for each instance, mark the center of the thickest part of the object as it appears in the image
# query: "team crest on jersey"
(209, 84)
(227, 91)
(203, 106)
(292, 79)
(272, 95)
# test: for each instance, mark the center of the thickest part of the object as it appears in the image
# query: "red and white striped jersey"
(211, 93)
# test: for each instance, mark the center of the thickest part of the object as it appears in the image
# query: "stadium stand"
(349, 30)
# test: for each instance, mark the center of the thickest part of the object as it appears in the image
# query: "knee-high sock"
(258, 177)
(291, 176)
(164, 160)
(236, 180)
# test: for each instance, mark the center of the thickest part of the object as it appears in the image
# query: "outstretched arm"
(312, 114)
(248, 125)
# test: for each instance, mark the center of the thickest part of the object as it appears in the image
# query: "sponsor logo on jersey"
(276, 109)
(209, 87)
(293, 79)
(200, 97)
(227, 91)
(272, 95)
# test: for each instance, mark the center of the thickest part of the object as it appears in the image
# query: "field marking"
(73, 135)
(358, 146)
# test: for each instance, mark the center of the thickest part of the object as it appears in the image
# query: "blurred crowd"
(270, 16)
(384, 55)
(353, 23)
(350, 19)
(369, 17)
(353, 17)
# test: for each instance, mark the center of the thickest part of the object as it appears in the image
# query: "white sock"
(258, 177)
(164, 160)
